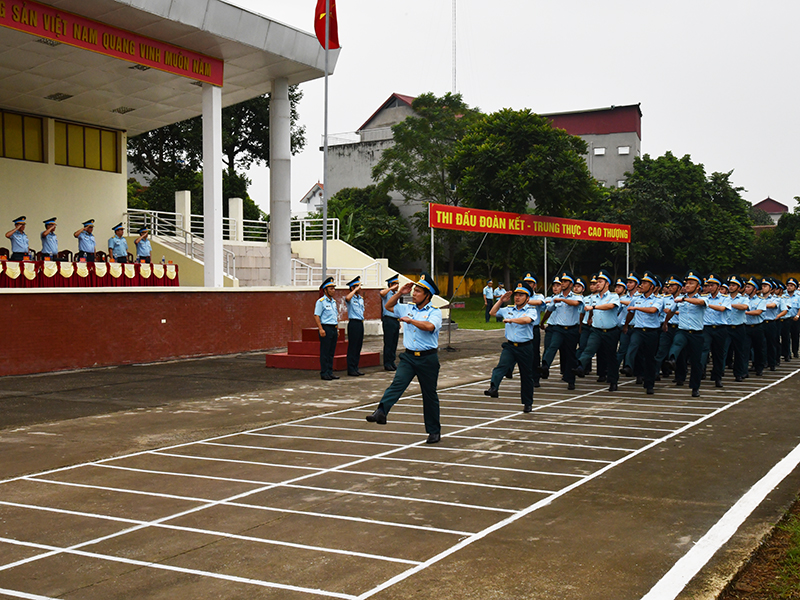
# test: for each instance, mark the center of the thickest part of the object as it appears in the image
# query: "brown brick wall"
(57, 331)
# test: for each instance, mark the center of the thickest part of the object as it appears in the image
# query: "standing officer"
(49, 240)
(488, 298)
(143, 247)
(521, 320)
(604, 332)
(715, 328)
(391, 326)
(421, 340)
(736, 328)
(326, 315)
(118, 245)
(19, 240)
(564, 324)
(498, 293)
(691, 309)
(644, 311)
(86, 244)
(355, 326)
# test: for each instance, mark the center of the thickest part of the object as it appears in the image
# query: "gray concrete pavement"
(219, 478)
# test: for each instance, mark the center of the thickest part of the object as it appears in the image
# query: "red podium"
(304, 354)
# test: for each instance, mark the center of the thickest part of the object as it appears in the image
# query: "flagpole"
(325, 149)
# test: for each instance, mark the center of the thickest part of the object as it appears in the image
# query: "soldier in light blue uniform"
(794, 309)
(785, 320)
(49, 240)
(604, 333)
(715, 329)
(118, 245)
(770, 325)
(537, 301)
(736, 328)
(326, 316)
(488, 298)
(689, 337)
(391, 326)
(631, 284)
(86, 243)
(355, 326)
(754, 322)
(643, 312)
(421, 340)
(521, 320)
(563, 321)
(669, 325)
(143, 247)
(20, 248)
(498, 293)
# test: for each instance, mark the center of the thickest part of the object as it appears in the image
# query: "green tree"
(777, 250)
(416, 165)
(760, 217)
(514, 159)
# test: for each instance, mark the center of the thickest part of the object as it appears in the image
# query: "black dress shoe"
(772, 368)
(326, 377)
(353, 374)
(627, 371)
(670, 364)
(612, 387)
(759, 373)
(390, 367)
(679, 383)
(718, 383)
(639, 380)
(544, 372)
(537, 384)
(650, 391)
(491, 392)
(738, 379)
(571, 385)
(602, 379)
(378, 417)
(334, 377)
(509, 376)
(360, 374)
(527, 408)
(579, 371)
(695, 393)
(433, 438)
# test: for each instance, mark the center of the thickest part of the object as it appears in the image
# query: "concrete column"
(236, 215)
(183, 206)
(280, 186)
(212, 185)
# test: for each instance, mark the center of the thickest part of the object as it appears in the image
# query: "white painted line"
(18, 594)
(567, 433)
(494, 486)
(521, 441)
(337, 441)
(597, 425)
(585, 416)
(273, 449)
(522, 454)
(611, 408)
(675, 580)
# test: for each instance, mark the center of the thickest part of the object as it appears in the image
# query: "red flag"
(319, 25)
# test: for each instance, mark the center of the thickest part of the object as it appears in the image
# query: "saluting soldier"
(49, 240)
(391, 326)
(715, 328)
(520, 321)
(689, 337)
(326, 315)
(86, 243)
(736, 328)
(420, 360)
(143, 246)
(19, 239)
(643, 312)
(488, 298)
(355, 326)
(604, 331)
(564, 324)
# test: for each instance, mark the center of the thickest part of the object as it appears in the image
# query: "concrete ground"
(219, 478)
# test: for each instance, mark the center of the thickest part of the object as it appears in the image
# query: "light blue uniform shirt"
(416, 339)
(119, 246)
(785, 305)
(756, 303)
(587, 301)
(606, 319)
(326, 310)
(736, 316)
(86, 242)
(622, 316)
(643, 319)
(517, 332)
(715, 317)
(50, 244)
(488, 293)
(539, 308)
(794, 305)
(143, 248)
(19, 242)
(384, 300)
(668, 306)
(770, 313)
(355, 308)
(563, 313)
(499, 292)
(690, 316)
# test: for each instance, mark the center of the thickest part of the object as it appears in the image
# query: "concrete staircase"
(304, 354)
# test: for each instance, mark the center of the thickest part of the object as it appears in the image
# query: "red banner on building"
(61, 26)
(489, 221)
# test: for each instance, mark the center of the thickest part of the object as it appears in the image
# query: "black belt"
(716, 326)
(564, 326)
(521, 343)
(388, 317)
(734, 326)
(605, 330)
(673, 326)
(755, 325)
(422, 352)
(48, 255)
(648, 328)
(695, 331)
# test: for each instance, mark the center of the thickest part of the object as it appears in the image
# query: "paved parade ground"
(218, 478)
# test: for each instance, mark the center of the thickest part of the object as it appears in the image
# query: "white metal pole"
(325, 148)
(627, 258)
(545, 282)
(433, 274)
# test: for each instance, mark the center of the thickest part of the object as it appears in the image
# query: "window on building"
(602, 182)
(621, 183)
(86, 147)
(21, 137)
(624, 149)
(599, 151)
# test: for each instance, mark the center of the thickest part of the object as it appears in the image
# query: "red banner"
(441, 216)
(58, 25)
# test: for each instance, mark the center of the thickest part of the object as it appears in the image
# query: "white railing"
(164, 227)
(255, 231)
(307, 275)
(356, 137)
(228, 227)
(304, 230)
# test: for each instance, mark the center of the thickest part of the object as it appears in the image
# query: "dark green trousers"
(391, 335)
(602, 342)
(522, 356)
(426, 370)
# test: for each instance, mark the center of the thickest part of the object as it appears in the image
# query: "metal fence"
(304, 274)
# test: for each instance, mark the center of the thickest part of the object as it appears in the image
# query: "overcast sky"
(715, 79)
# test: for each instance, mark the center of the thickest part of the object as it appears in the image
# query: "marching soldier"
(755, 321)
(643, 311)
(564, 324)
(715, 328)
(391, 326)
(537, 301)
(689, 337)
(736, 328)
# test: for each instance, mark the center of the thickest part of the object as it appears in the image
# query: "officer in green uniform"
(421, 340)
